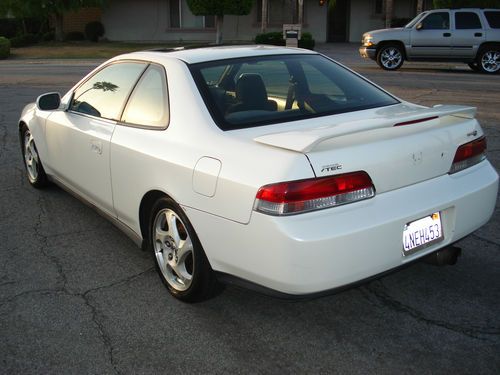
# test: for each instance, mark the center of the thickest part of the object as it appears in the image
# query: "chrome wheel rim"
(173, 249)
(391, 58)
(31, 156)
(490, 61)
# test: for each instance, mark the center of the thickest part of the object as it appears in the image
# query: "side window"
(436, 21)
(105, 93)
(467, 20)
(148, 104)
(493, 18)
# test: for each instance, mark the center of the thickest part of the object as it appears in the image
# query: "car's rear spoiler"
(306, 140)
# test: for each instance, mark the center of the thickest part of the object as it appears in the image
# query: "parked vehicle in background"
(471, 36)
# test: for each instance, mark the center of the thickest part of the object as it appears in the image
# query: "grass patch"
(83, 50)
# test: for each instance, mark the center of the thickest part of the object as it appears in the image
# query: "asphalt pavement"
(77, 296)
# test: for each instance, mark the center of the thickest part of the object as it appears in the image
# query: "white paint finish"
(327, 249)
(79, 152)
(205, 175)
(114, 166)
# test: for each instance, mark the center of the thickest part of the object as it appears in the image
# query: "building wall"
(148, 20)
(76, 21)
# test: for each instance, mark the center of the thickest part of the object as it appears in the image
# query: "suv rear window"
(248, 92)
(493, 19)
(467, 20)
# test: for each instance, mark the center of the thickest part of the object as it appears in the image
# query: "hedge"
(94, 30)
(4, 47)
(23, 40)
(276, 39)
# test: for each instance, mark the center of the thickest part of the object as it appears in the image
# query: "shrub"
(400, 22)
(9, 27)
(23, 40)
(74, 36)
(48, 36)
(94, 30)
(276, 39)
(4, 47)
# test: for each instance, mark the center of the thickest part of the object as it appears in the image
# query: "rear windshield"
(248, 92)
(493, 19)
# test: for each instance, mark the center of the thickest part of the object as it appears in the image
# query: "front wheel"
(489, 60)
(180, 260)
(34, 168)
(390, 57)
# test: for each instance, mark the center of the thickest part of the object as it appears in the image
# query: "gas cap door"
(205, 175)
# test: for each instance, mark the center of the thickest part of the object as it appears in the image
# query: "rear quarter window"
(493, 19)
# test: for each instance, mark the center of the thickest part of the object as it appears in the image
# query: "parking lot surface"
(77, 296)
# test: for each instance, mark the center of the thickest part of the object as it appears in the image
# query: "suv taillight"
(293, 197)
(468, 155)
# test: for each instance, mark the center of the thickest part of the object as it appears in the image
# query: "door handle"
(478, 34)
(446, 35)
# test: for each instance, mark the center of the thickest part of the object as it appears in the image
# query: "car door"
(78, 139)
(431, 37)
(468, 34)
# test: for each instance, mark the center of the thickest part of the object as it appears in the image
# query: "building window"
(180, 17)
(279, 11)
(377, 7)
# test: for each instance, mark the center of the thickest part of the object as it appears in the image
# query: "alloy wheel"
(173, 249)
(391, 58)
(31, 156)
(490, 61)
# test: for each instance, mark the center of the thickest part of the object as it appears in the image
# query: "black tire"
(390, 57)
(474, 66)
(32, 162)
(186, 274)
(488, 60)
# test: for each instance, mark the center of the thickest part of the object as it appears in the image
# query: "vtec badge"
(331, 167)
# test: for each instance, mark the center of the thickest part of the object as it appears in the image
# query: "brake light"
(293, 197)
(416, 121)
(468, 155)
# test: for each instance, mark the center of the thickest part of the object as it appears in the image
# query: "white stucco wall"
(148, 20)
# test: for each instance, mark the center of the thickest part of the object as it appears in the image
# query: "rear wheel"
(34, 169)
(488, 60)
(390, 57)
(180, 260)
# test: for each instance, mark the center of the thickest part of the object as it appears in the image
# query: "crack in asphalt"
(63, 281)
(3, 136)
(471, 331)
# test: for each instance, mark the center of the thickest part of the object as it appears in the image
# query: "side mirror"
(49, 102)
(419, 26)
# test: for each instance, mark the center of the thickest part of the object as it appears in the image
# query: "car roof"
(205, 54)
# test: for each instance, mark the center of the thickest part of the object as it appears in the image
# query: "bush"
(400, 22)
(23, 40)
(4, 47)
(276, 39)
(9, 27)
(94, 30)
(48, 36)
(74, 36)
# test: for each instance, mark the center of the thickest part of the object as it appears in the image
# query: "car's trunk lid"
(397, 147)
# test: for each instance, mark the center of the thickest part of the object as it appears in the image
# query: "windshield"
(414, 21)
(248, 92)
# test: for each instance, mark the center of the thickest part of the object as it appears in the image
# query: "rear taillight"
(293, 197)
(468, 155)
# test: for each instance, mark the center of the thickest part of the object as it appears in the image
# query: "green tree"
(45, 9)
(440, 4)
(219, 8)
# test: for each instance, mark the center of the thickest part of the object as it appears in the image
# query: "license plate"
(422, 233)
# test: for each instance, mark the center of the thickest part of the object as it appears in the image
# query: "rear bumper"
(368, 52)
(323, 250)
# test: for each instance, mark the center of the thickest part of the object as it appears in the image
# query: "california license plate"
(422, 233)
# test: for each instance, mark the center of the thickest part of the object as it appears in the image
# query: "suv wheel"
(390, 57)
(488, 60)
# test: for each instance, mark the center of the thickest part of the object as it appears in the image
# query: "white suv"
(464, 35)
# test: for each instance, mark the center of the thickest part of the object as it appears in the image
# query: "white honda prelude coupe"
(273, 167)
